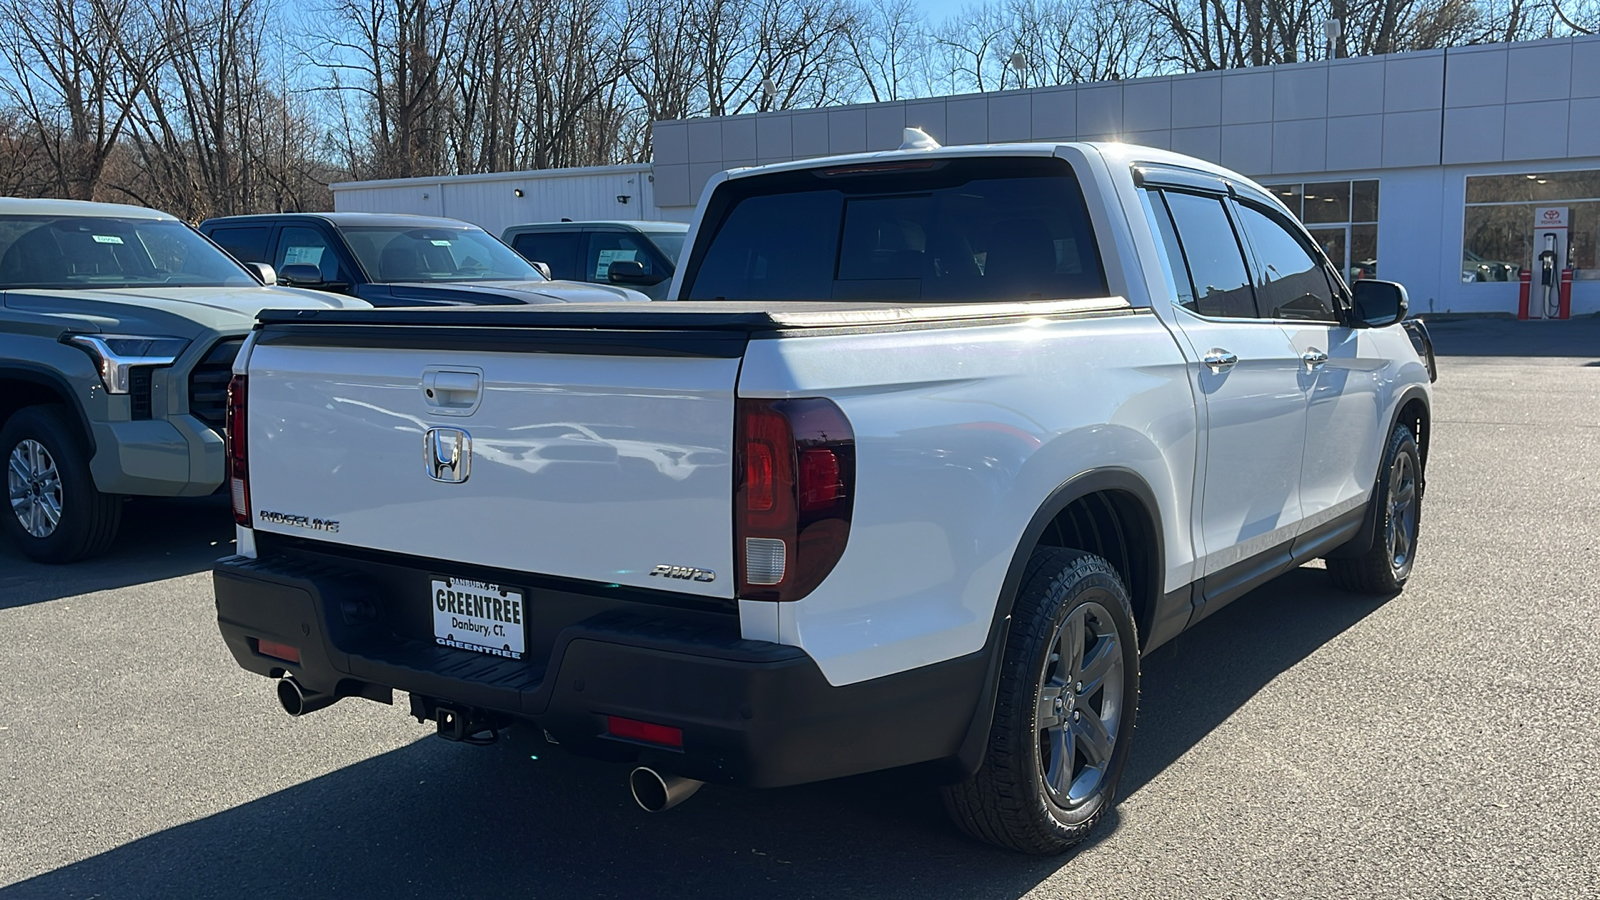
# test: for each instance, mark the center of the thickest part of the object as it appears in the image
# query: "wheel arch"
(23, 385)
(1115, 508)
(1414, 410)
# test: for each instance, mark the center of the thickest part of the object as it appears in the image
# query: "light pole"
(1019, 63)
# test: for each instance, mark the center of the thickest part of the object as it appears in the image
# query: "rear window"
(978, 229)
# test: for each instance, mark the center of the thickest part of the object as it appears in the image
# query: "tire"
(1384, 567)
(1046, 780)
(48, 484)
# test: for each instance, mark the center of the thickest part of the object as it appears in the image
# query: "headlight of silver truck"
(117, 354)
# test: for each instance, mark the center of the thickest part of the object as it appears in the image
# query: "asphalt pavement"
(1299, 743)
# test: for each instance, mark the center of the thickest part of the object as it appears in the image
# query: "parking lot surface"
(1299, 743)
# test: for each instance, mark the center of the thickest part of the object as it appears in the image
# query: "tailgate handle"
(452, 392)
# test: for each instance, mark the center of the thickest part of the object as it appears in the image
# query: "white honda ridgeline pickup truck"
(933, 445)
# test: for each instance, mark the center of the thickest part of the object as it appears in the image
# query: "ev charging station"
(1547, 285)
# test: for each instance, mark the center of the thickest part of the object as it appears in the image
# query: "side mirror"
(262, 272)
(630, 271)
(1378, 303)
(300, 275)
(542, 268)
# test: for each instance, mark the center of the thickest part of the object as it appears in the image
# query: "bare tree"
(888, 45)
(66, 83)
(391, 55)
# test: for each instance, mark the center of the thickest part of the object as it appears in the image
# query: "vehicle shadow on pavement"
(159, 538)
(1192, 685)
(522, 818)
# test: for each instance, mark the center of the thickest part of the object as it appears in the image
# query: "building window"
(1497, 240)
(1342, 217)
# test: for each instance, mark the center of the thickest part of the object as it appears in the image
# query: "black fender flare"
(46, 378)
(1369, 520)
(1113, 478)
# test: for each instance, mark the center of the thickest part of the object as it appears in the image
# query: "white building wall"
(491, 201)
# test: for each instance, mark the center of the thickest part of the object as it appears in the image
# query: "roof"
(380, 220)
(16, 206)
(642, 225)
(1111, 151)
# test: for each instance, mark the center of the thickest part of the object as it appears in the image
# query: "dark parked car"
(396, 260)
(584, 251)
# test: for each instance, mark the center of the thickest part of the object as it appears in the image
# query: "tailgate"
(588, 456)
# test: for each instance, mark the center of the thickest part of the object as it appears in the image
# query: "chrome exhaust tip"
(655, 792)
(297, 701)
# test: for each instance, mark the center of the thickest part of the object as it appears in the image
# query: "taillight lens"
(238, 466)
(795, 495)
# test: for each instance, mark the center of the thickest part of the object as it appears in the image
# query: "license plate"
(475, 615)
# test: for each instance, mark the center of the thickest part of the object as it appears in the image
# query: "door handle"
(452, 392)
(1314, 358)
(1220, 360)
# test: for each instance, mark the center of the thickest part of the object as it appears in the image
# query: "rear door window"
(1215, 260)
(556, 249)
(244, 244)
(957, 230)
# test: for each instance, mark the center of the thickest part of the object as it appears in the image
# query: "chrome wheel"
(1080, 705)
(1401, 533)
(34, 486)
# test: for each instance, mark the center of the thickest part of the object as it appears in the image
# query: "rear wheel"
(55, 513)
(1063, 719)
(1384, 567)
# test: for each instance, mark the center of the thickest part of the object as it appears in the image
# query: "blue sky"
(938, 9)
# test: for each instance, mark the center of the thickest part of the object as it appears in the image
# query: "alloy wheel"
(1401, 533)
(1080, 705)
(34, 486)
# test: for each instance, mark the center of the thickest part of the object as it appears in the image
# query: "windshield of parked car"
(997, 228)
(393, 254)
(67, 252)
(669, 242)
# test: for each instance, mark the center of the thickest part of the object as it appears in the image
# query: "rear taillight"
(792, 505)
(238, 465)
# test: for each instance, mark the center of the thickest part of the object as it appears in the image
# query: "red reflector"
(819, 479)
(649, 732)
(758, 477)
(278, 651)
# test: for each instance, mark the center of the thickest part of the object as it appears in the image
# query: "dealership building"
(1461, 173)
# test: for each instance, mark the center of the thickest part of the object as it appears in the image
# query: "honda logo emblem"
(449, 453)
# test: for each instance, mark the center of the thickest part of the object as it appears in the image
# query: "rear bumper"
(752, 713)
